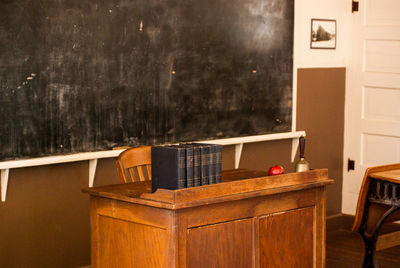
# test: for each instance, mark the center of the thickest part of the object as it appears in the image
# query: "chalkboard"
(79, 76)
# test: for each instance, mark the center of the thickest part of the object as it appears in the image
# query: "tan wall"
(45, 220)
(320, 111)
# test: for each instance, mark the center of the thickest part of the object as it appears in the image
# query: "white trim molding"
(93, 157)
(4, 183)
(58, 159)
(239, 141)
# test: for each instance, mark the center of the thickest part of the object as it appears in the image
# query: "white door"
(372, 116)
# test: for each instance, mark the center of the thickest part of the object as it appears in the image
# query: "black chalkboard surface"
(78, 76)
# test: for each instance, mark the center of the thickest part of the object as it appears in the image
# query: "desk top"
(389, 175)
(236, 184)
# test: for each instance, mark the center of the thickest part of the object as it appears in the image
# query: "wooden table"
(378, 203)
(248, 220)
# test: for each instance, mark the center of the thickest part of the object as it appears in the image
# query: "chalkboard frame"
(37, 93)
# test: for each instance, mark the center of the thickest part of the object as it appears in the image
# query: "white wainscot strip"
(238, 142)
(49, 160)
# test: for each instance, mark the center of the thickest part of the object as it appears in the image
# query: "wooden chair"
(134, 164)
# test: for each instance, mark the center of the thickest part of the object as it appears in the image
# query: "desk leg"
(370, 252)
(370, 240)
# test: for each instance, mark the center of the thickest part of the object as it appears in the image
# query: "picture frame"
(323, 34)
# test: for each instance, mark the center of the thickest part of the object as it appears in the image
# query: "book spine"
(211, 165)
(196, 165)
(205, 153)
(182, 167)
(189, 166)
(218, 163)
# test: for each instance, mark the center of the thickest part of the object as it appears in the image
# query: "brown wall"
(45, 220)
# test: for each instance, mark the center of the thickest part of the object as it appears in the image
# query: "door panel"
(382, 12)
(390, 97)
(382, 56)
(378, 149)
(372, 125)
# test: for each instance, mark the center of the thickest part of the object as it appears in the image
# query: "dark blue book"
(204, 170)
(189, 159)
(168, 167)
(212, 159)
(218, 163)
(189, 165)
(196, 165)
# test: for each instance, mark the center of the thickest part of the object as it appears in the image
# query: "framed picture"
(323, 34)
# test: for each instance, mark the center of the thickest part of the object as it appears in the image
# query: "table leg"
(370, 240)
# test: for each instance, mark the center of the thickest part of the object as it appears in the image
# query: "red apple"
(275, 170)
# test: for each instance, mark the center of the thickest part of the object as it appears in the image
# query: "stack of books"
(185, 165)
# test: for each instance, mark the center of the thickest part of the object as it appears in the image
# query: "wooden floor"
(346, 249)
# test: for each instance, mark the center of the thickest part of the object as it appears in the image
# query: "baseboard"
(339, 221)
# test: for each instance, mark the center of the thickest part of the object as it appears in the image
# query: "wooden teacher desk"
(263, 221)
